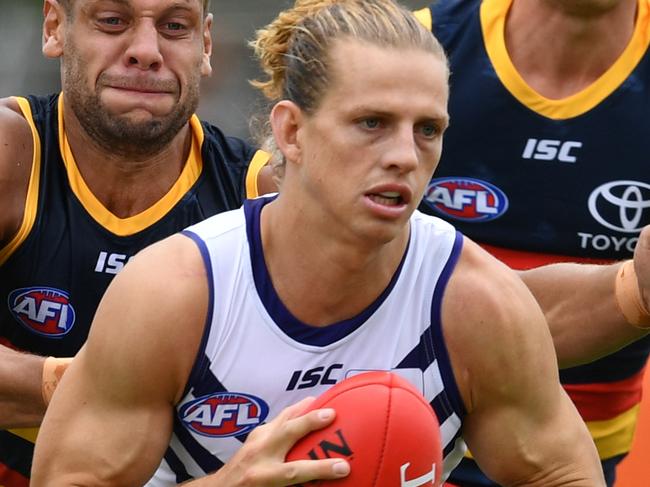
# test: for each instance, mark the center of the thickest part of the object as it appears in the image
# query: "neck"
(570, 45)
(126, 185)
(342, 277)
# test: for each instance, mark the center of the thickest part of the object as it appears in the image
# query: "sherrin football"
(384, 428)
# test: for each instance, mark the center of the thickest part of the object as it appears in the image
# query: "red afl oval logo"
(224, 414)
(466, 199)
(44, 311)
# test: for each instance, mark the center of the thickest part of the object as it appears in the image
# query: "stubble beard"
(119, 135)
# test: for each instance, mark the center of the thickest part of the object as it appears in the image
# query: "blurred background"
(227, 99)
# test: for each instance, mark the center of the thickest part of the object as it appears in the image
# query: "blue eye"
(428, 130)
(111, 21)
(371, 123)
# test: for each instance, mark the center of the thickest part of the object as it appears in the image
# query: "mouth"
(387, 198)
(144, 90)
(141, 85)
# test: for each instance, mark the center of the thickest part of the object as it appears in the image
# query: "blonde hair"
(293, 49)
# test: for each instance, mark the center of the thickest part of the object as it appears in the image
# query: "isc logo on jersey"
(224, 414)
(466, 199)
(45, 311)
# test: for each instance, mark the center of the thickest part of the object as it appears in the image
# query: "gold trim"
(28, 434)
(258, 161)
(612, 437)
(493, 15)
(424, 17)
(31, 201)
(134, 224)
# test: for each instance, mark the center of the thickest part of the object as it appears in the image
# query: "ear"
(206, 67)
(286, 120)
(53, 28)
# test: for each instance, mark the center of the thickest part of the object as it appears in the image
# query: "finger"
(301, 471)
(296, 428)
(298, 408)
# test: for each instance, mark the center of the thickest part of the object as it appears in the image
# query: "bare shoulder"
(16, 153)
(153, 315)
(492, 324)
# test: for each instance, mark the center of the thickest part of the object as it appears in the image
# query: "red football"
(384, 428)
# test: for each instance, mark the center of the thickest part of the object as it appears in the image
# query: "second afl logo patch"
(465, 199)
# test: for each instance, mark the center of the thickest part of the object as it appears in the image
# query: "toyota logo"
(621, 205)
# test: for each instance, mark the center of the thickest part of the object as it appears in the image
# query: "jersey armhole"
(31, 202)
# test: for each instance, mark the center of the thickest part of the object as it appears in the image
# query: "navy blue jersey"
(538, 180)
(69, 248)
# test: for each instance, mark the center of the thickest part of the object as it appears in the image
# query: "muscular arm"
(521, 426)
(579, 303)
(16, 152)
(111, 418)
(21, 403)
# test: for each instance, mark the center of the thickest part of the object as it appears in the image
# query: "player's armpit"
(116, 399)
(521, 427)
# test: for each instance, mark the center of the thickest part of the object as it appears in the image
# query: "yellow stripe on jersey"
(424, 17)
(614, 436)
(257, 163)
(28, 434)
(134, 224)
(31, 202)
(493, 16)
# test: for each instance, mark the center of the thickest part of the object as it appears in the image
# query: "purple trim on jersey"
(203, 457)
(444, 364)
(208, 384)
(176, 466)
(201, 363)
(289, 324)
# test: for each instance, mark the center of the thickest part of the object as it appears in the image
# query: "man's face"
(369, 149)
(132, 69)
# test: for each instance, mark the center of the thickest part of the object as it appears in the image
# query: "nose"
(143, 51)
(402, 151)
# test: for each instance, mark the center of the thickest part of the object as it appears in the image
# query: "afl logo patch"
(224, 414)
(465, 199)
(43, 310)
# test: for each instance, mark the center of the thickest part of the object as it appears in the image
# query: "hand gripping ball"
(384, 428)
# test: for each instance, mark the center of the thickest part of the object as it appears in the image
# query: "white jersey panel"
(256, 358)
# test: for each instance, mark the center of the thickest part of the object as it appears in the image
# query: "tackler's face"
(134, 66)
(371, 146)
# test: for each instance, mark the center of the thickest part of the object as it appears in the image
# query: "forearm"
(580, 306)
(21, 399)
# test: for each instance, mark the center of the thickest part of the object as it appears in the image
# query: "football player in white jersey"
(360, 93)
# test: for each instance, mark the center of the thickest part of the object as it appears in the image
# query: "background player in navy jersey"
(89, 178)
(546, 161)
(337, 268)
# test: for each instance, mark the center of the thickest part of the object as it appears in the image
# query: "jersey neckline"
(493, 16)
(136, 223)
(283, 318)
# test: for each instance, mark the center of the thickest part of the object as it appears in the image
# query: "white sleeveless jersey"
(256, 358)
